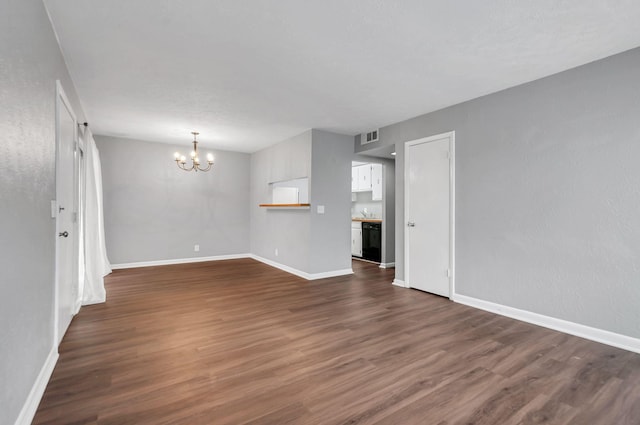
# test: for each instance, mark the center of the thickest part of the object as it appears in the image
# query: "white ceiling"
(249, 73)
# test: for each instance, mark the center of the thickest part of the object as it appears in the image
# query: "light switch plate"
(320, 209)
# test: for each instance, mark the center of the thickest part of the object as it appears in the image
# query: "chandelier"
(181, 160)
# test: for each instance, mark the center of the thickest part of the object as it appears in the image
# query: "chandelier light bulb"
(193, 154)
(176, 155)
(210, 157)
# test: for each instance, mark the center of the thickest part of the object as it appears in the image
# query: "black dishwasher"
(371, 241)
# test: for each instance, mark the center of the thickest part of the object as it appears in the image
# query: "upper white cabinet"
(361, 178)
(354, 179)
(366, 178)
(376, 182)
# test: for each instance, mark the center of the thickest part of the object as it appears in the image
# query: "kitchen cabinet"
(356, 239)
(364, 177)
(361, 178)
(354, 179)
(376, 182)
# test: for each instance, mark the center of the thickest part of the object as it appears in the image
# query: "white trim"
(451, 135)
(387, 265)
(593, 334)
(300, 273)
(30, 406)
(399, 282)
(178, 261)
(452, 206)
(364, 260)
(305, 275)
(332, 273)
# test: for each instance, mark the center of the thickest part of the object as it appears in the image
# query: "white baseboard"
(300, 273)
(400, 283)
(305, 275)
(178, 261)
(387, 265)
(332, 273)
(35, 395)
(587, 332)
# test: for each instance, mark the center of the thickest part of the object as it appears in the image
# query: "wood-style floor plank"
(239, 342)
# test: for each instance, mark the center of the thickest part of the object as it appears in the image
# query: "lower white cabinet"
(356, 239)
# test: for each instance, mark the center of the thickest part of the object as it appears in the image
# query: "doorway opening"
(373, 208)
(366, 211)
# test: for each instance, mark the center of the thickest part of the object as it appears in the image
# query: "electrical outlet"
(276, 252)
(196, 248)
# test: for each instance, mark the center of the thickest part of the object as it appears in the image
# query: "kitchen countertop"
(367, 220)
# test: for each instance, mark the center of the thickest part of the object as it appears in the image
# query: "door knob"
(411, 224)
(63, 234)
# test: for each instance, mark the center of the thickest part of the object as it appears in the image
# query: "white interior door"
(428, 214)
(66, 228)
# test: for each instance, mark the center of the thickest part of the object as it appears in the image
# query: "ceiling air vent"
(369, 137)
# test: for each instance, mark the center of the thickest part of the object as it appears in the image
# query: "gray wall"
(155, 211)
(30, 63)
(305, 240)
(330, 242)
(547, 194)
(285, 230)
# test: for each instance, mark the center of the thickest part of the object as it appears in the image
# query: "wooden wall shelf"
(285, 206)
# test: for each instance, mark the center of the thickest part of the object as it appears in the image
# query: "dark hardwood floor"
(239, 342)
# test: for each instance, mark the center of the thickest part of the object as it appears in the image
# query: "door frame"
(451, 135)
(61, 97)
(79, 203)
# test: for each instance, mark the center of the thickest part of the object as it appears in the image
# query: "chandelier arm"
(206, 169)
(183, 167)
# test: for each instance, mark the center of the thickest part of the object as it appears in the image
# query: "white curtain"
(96, 263)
